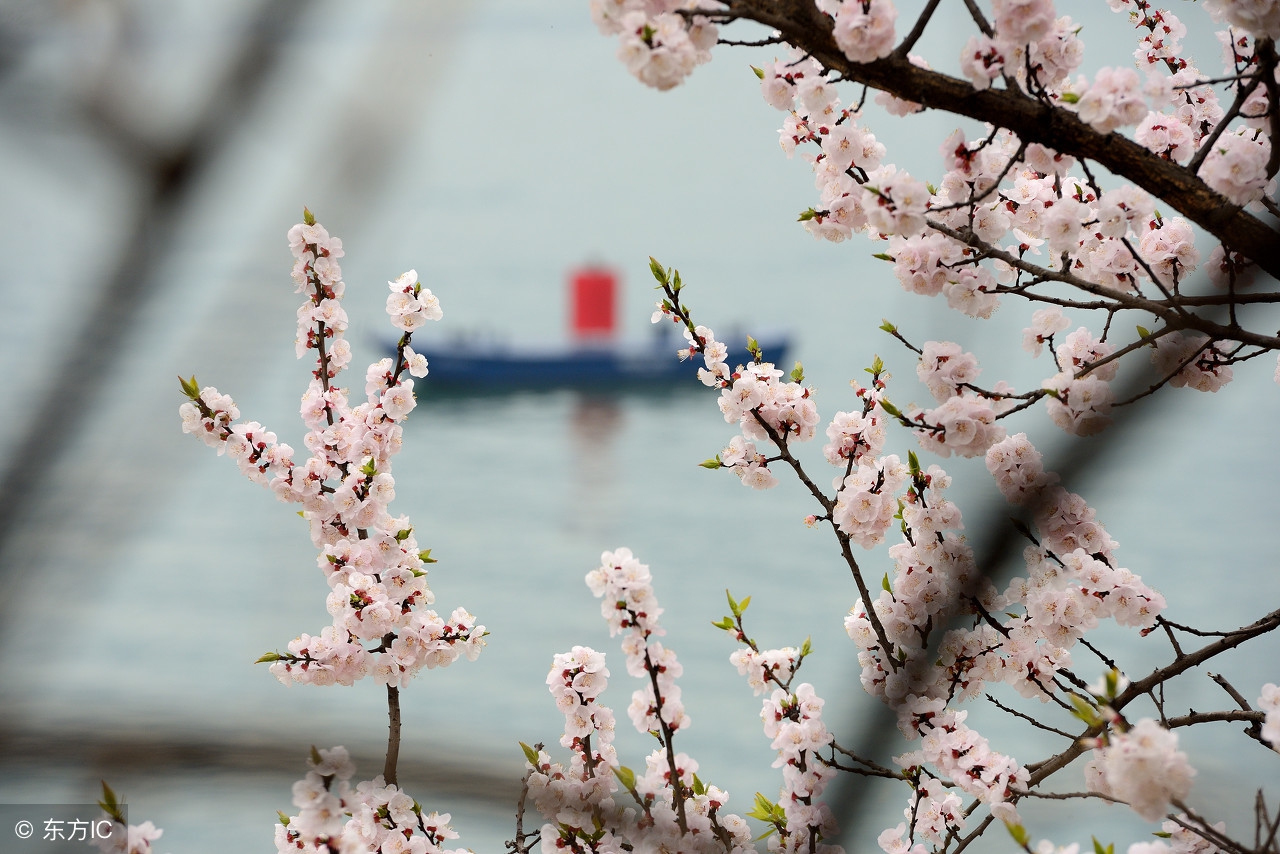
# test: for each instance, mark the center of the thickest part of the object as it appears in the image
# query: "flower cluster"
(673, 809)
(863, 29)
(372, 817)
(763, 667)
(1143, 767)
(793, 721)
(576, 680)
(656, 43)
(625, 586)
(866, 499)
(1236, 166)
(1114, 100)
(765, 408)
(1191, 360)
(370, 559)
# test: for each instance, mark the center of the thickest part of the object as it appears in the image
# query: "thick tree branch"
(803, 25)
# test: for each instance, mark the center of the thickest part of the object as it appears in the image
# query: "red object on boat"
(594, 293)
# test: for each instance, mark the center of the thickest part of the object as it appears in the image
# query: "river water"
(492, 146)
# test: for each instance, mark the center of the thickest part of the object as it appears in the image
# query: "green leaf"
(913, 463)
(742, 606)
(764, 809)
(884, 582)
(733, 603)
(797, 373)
(425, 556)
(369, 469)
(886, 326)
(759, 72)
(889, 408)
(1099, 849)
(1163, 834)
(807, 647)
(316, 759)
(725, 623)
(403, 534)
(626, 777)
(805, 216)
(1084, 710)
(699, 787)
(877, 365)
(1144, 332)
(1019, 834)
(111, 803)
(530, 754)
(714, 463)
(268, 657)
(1070, 97)
(308, 217)
(284, 819)
(190, 387)
(753, 347)
(658, 271)
(884, 256)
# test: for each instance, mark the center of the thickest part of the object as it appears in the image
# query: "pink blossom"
(863, 29)
(1236, 166)
(1114, 100)
(1144, 768)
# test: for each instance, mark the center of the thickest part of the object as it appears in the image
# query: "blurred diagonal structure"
(164, 173)
(997, 546)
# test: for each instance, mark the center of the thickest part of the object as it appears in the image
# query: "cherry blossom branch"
(668, 742)
(917, 30)
(804, 25)
(1192, 718)
(1200, 827)
(870, 769)
(1043, 770)
(846, 550)
(523, 842)
(1168, 312)
(393, 735)
(1242, 95)
(1035, 723)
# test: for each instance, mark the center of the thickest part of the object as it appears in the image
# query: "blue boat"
(593, 360)
(485, 366)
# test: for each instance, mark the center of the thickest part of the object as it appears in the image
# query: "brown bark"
(803, 25)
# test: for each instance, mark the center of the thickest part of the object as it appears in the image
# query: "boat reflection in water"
(593, 359)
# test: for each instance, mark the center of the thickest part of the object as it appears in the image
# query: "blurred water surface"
(490, 146)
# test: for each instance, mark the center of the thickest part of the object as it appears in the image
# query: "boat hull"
(597, 366)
